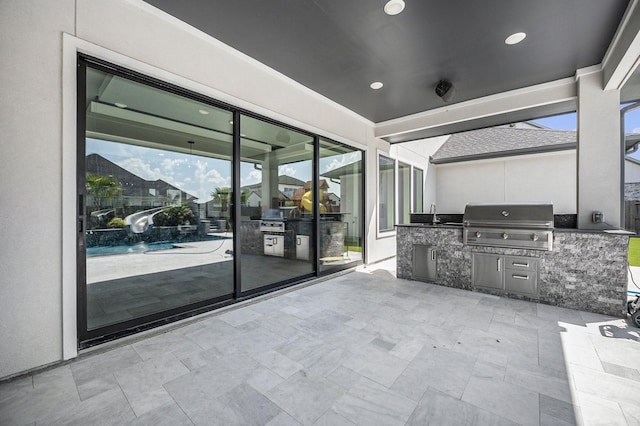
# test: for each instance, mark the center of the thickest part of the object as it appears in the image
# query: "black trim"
(316, 205)
(81, 260)
(123, 329)
(88, 338)
(236, 212)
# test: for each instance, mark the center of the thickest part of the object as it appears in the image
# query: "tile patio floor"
(363, 348)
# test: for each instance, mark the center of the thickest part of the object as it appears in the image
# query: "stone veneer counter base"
(586, 270)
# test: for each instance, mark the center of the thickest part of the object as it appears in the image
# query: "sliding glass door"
(185, 204)
(276, 226)
(341, 192)
(155, 230)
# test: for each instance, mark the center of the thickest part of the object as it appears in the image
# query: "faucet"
(434, 217)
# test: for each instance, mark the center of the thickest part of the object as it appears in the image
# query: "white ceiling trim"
(623, 55)
(502, 103)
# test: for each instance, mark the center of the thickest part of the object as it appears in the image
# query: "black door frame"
(87, 338)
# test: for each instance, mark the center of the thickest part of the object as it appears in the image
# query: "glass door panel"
(157, 183)
(341, 189)
(277, 208)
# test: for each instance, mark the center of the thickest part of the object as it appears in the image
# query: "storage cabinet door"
(425, 263)
(488, 271)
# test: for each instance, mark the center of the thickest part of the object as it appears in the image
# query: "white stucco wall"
(599, 156)
(528, 178)
(39, 40)
(30, 177)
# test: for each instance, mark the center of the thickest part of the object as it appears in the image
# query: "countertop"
(454, 225)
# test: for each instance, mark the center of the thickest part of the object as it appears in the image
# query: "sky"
(569, 122)
(199, 176)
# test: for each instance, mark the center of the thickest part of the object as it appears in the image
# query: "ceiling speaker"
(445, 90)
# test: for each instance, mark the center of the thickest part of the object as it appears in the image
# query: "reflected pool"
(136, 248)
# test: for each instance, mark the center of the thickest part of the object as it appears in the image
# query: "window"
(418, 190)
(404, 192)
(386, 193)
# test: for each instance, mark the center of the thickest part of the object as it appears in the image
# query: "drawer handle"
(524, 265)
(520, 277)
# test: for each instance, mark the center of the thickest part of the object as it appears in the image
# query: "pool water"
(136, 248)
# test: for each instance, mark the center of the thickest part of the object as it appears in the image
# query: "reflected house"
(287, 186)
(136, 191)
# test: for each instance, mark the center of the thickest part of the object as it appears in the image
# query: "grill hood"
(527, 225)
(525, 215)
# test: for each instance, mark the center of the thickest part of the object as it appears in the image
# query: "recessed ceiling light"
(393, 7)
(515, 38)
(376, 85)
(120, 105)
(203, 111)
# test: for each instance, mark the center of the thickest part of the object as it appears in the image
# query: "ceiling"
(338, 48)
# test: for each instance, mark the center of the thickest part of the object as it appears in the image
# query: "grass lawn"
(634, 251)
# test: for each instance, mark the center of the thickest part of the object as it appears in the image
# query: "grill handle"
(508, 224)
(499, 264)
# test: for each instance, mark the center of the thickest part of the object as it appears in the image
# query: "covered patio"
(361, 348)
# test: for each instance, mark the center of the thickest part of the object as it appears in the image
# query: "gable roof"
(132, 184)
(505, 141)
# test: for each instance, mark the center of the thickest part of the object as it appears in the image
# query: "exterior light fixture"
(203, 111)
(120, 105)
(393, 7)
(376, 85)
(515, 38)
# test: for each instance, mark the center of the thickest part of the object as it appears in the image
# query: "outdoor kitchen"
(519, 251)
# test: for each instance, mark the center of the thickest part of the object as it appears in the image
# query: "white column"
(599, 152)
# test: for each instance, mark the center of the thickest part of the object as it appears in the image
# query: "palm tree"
(102, 188)
(222, 195)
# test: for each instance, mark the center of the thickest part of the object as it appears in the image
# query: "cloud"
(169, 164)
(286, 170)
(140, 168)
(254, 176)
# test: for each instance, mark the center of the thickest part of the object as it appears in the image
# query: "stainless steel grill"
(272, 221)
(527, 226)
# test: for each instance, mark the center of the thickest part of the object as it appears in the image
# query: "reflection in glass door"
(341, 190)
(277, 207)
(171, 223)
(155, 190)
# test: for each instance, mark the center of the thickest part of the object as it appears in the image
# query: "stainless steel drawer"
(521, 263)
(524, 282)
